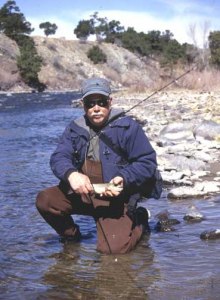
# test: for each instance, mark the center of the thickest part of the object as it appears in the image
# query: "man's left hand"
(110, 191)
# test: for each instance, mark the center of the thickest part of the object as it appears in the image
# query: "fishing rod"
(143, 100)
(162, 88)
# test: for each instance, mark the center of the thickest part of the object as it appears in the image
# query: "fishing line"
(110, 251)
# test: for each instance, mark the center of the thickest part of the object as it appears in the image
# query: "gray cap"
(96, 86)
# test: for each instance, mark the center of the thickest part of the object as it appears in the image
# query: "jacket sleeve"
(62, 160)
(141, 157)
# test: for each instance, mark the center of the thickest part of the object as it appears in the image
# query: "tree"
(167, 36)
(104, 31)
(100, 26)
(154, 40)
(113, 31)
(48, 27)
(29, 63)
(14, 25)
(130, 39)
(84, 29)
(173, 52)
(214, 46)
(191, 52)
(13, 22)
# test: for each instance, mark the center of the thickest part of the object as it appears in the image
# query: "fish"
(100, 188)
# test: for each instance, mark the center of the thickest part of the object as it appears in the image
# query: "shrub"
(97, 55)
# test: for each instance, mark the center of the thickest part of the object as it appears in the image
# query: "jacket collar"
(82, 126)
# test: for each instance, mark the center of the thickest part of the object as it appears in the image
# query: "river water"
(35, 265)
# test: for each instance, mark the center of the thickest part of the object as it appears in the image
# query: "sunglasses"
(92, 103)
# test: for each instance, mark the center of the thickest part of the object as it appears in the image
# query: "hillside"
(9, 76)
(65, 65)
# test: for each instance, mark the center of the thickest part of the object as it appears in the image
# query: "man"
(102, 146)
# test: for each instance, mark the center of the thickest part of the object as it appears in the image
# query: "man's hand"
(81, 184)
(110, 191)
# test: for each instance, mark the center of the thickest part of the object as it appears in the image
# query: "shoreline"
(184, 129)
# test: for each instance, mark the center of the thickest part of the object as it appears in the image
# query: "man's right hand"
(81, 184)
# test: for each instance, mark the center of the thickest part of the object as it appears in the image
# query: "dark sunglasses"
(100, 102)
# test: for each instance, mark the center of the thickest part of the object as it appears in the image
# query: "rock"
(181, 163)
(210, 235)
(165, 223)
(162, 215)
(199, 189)
(176, 133)
(208, 130)
(203, 156)
(208, 186)
(172, 176)
(193, 215)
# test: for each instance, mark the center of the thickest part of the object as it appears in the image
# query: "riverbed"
(33, 262)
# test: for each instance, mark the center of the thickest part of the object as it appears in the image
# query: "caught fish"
(100, 188)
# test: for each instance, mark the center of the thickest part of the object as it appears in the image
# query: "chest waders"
(115, 229)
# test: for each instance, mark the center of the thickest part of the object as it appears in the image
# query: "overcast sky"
(178, 16)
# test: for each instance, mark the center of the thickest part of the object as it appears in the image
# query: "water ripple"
(35, 265)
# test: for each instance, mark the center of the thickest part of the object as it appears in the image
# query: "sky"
(189, 20)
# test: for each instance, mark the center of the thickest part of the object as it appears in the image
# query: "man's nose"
(96, 107)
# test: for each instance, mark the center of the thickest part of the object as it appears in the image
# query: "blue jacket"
(136, 167)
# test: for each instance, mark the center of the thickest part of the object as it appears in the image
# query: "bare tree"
(201, 51)
(205, 49)
(192, 33)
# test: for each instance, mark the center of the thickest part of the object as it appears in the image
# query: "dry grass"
(207, 80)
(204, 81)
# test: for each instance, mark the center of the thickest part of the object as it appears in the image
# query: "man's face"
(97, 108)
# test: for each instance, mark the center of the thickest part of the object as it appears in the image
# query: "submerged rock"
(210, 235)
(193, 215)
(165, 223)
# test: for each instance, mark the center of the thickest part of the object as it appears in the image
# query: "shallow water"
(35, 265)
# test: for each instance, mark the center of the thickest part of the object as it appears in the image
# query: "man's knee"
(42, 201)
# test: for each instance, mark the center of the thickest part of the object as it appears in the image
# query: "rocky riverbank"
(184, 129)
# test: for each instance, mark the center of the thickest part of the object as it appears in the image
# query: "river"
(35, 265)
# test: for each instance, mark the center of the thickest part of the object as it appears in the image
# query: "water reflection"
(81, 274)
